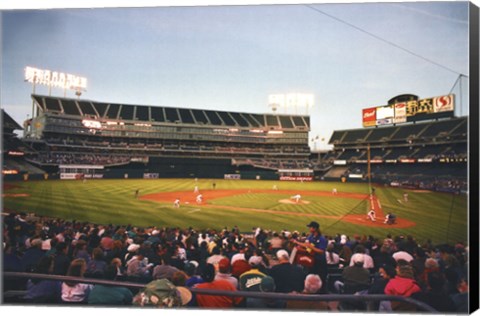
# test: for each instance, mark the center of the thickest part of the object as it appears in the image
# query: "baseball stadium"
(144, 188)
(85, 160)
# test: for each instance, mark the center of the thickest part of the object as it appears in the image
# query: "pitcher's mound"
(288, 201)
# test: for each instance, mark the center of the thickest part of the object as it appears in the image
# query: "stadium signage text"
(293, 178)
(55, 79)
(409, 111)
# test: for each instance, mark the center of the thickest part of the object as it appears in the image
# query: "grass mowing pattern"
(112, 201)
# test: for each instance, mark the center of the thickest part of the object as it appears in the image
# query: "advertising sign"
(410, 111)
(295, 178)
(443, 103)
(385, 112)
(400, 113)
(369, 117)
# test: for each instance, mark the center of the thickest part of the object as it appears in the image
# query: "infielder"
(334, 191)
(195, 190)
(199, 199)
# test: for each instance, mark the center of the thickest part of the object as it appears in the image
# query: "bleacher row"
(451, 151)
(448, 129)
(143, 113)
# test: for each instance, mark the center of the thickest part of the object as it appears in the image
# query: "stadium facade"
(70, 138)
(151, 141)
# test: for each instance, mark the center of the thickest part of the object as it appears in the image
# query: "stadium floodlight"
(293, 101)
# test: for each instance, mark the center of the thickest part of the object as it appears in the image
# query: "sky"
(349, 56)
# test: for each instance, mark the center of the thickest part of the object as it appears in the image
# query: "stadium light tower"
(289, 101)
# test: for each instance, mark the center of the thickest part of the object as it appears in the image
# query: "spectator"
(224, 272)
(333, 259)
(316, 243)
(96, 267)
(138, 269)
(179, 278)
(267, 285)
(61, 261)
(384, 257)
(32, 256)
(288, 278)
(345, 255)
(40, 291)
(11, 261)
(402, 254)
(110, 295)
(215, 301)
(435, 295)
(460, 299)
(215, 257)
(241, 266)
(355, 278)
(162, 293)
(312, 285)
(164, 270)
(250, 280)
(403, 284)
(276, 243)
(191, 271)
(80, 251)
(239, 255)
(74, 292)
(367, 260)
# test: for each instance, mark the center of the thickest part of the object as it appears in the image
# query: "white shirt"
(402, 255)
(367, 261)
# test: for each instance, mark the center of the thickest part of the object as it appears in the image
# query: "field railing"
(262, 295)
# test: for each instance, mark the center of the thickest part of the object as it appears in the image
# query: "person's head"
(314, 227)
(436, 281)
(313, 284)
(208, 273)
(224, 265)
(283, 256)
(116, 262)
(405, 271)
(97, 254)
(179, 278)
(77, 268)
(190, 269)
(110, 272)
(61, 247)
(359, 249)
(387, 271)
(431, 263)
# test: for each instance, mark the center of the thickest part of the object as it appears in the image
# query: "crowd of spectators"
(175, 259)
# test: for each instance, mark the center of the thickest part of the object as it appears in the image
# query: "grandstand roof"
(8, 122)
(428, 129)
(161, 114)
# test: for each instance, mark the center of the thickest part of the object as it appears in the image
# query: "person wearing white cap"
(355, 278)
(288, 277)
(176, 203)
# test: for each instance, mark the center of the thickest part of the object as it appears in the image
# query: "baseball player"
(199, 199)
(405, 197)
(296, 198)
(275, 187)
(195, 190)
(371, 215)
(334, 191)
(176, 203)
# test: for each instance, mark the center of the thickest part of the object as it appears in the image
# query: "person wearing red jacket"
(403, 284)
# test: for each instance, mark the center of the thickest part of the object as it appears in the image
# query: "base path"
(189, 198)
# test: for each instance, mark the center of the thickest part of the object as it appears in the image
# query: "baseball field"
(440, 217)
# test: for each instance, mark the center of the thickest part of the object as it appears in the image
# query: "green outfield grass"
(440, 217)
